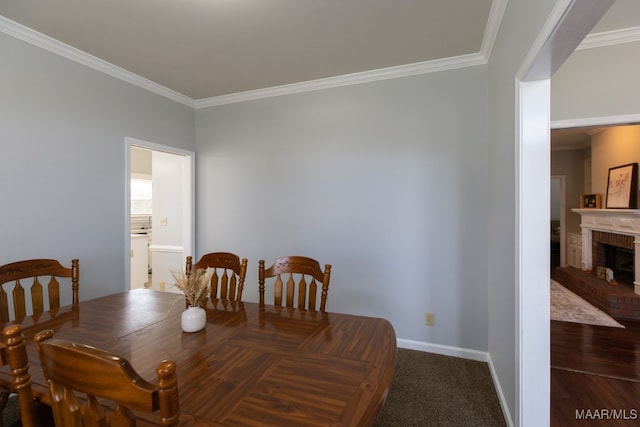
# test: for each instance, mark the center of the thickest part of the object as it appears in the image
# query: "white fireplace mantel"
(617, 221)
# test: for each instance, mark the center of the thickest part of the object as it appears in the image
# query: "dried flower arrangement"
(194, 286)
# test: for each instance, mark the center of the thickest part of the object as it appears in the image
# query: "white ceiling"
(573, 138)
(209, 48)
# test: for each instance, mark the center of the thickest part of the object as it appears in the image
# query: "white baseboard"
(503, 403)
(480, 356)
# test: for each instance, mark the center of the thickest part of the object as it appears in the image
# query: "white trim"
(531, 61)
(158, 147)
(501, 398)
(532, 175)
(596, 121)
(566, 26)
(496, 13)
(552, 46)
(127, 215)
(170, 249)
(347, 80)
(57, 47)
(532, 249)
(609, 38)
(445, 350)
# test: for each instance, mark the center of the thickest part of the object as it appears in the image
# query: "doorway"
(557, 226)
(159, 212)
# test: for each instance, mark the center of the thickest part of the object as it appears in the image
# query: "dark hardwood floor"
(595, 375)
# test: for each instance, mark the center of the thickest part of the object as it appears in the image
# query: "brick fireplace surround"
(619, 302)
(619, 228)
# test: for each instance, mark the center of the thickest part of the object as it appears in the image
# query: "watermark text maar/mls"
(606, 414)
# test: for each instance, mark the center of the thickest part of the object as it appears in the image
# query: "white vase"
(194, 319)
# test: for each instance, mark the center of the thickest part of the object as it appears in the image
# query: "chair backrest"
(79, 375)
(14, 353)
(32, 270)
(296, 269)
(227, 278)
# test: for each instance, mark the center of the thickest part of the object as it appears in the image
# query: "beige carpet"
(569, 307)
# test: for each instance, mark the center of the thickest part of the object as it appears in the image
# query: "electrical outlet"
(161, 286)
(163, 221)
(428, 318)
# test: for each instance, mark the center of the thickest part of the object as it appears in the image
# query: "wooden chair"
(14, 353)
(17, 272)
(79, 375)
(231, 278)
(301, 269)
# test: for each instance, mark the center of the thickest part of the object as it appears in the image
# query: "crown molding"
(609, 38)
(57, 47)
(347, 80)
(496, 14)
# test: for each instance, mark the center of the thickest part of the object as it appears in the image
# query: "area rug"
(569, 307)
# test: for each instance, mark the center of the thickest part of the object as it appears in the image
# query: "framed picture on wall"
(622, 187)
(591, 201)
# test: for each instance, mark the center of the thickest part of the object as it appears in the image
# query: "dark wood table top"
(251, 365)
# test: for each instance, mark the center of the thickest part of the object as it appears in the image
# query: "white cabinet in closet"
(574, 250)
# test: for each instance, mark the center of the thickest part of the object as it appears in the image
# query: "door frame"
(567, 25)
(189, 179)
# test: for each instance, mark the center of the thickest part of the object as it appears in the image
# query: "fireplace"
(614, 251)
(611, 239)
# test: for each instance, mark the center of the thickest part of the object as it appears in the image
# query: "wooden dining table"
(252, 365)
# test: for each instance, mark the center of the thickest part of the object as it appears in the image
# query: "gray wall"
(386, 181)
(62, 180)
(598, 82)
